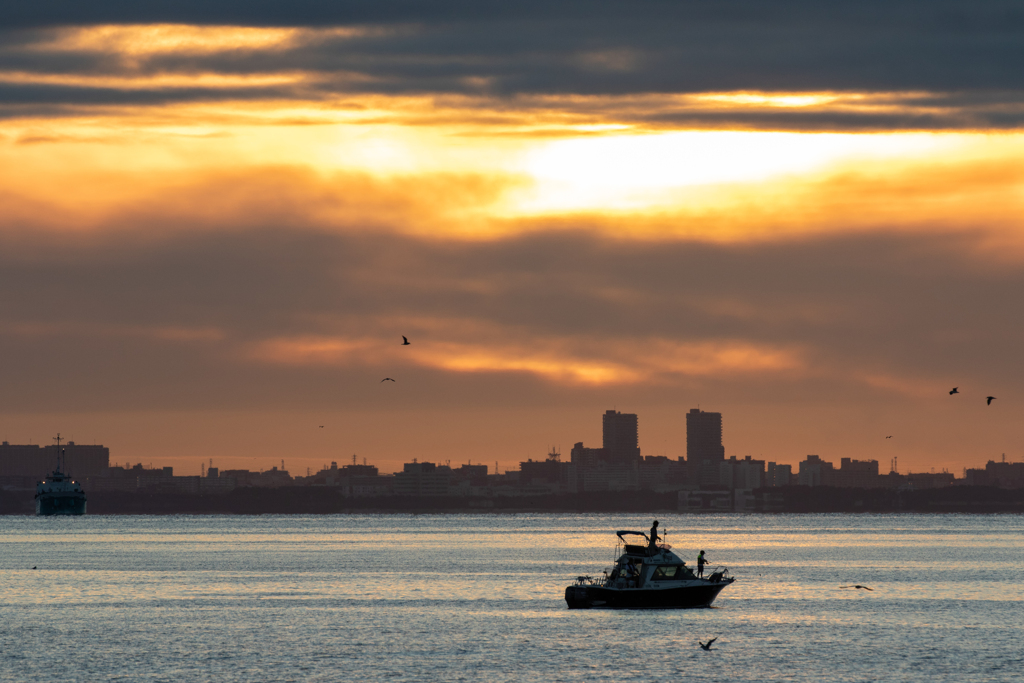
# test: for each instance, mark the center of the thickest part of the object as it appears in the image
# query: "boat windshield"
(672, 572)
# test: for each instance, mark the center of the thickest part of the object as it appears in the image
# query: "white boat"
(647, 576)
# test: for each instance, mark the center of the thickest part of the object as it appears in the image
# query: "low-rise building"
(815, 472)
(370, 487)
(717, 500)
(80, 461)
(423, 479)
(595, 469)
(1005, 475)
(747, 473)
(661, 473)
(549, 472)
(858, 474)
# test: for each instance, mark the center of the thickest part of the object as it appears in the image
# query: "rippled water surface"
(480, 598)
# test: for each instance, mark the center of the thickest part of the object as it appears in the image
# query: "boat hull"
(683, 597)
(47, 505)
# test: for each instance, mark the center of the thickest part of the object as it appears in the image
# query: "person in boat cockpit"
(653, 541)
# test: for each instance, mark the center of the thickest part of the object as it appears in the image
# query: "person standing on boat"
(701, 561)
(653, 541)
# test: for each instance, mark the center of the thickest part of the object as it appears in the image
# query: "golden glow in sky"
(308, 195)
(470, 180)
(641, 171)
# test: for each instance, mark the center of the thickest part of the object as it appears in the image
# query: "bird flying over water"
(387, 379)
(859, 586)
(405, 342)
(989, 400)
(707, 646)
(954, 390)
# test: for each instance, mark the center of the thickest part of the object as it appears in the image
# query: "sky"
(218, 219)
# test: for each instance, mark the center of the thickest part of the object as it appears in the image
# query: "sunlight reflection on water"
(479, 597)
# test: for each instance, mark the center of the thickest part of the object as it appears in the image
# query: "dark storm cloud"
(163, 323)
(82, 98)
(971, 49)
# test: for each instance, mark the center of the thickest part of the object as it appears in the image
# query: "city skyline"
(218, 222)
(704, 454)
(704, 481)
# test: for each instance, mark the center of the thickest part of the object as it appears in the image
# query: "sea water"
(480, 598)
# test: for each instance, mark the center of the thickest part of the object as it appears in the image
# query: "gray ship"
(59, 494)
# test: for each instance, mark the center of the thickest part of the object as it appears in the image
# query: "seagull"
(990, 399)
(387, 379)
(405, 342)
(859, 586)
(706, 647)
(954, 390)
(888, 437)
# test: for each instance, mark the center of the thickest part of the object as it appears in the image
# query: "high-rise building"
(778, 475)
(704, 436)
(704, 450)
(621, 437)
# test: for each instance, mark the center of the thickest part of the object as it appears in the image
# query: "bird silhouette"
(888, 437)
(859, 586)
(954, 390)
(321, 426)
(387, 379)
(706, 646)
(405, 342)
(989, 400)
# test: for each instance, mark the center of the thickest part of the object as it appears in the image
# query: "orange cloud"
(144, 40)
(368, 167)
(312, 350)
(573, 361)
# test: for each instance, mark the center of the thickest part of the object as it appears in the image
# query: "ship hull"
(48, 505)
(683, 597)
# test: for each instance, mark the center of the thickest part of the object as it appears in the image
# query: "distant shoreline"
(325, 500)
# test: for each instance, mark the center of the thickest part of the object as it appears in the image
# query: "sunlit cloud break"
(622, 361)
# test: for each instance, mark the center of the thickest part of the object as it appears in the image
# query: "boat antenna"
(57, 439)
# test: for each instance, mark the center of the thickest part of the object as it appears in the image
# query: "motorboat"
(646, 576)
(59, 494)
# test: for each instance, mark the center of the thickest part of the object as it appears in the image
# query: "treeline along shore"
(306, 500)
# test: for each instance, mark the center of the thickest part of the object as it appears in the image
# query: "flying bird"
(859, 586)
(954, 390)
(888, 437)
(706, 647)
(405, 342)
(321, 426)
(387, 379)
(989, 401)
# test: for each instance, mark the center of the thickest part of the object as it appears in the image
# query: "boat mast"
(57, 439)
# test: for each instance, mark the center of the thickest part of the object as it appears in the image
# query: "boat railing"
(590, 581)
(718, 575)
